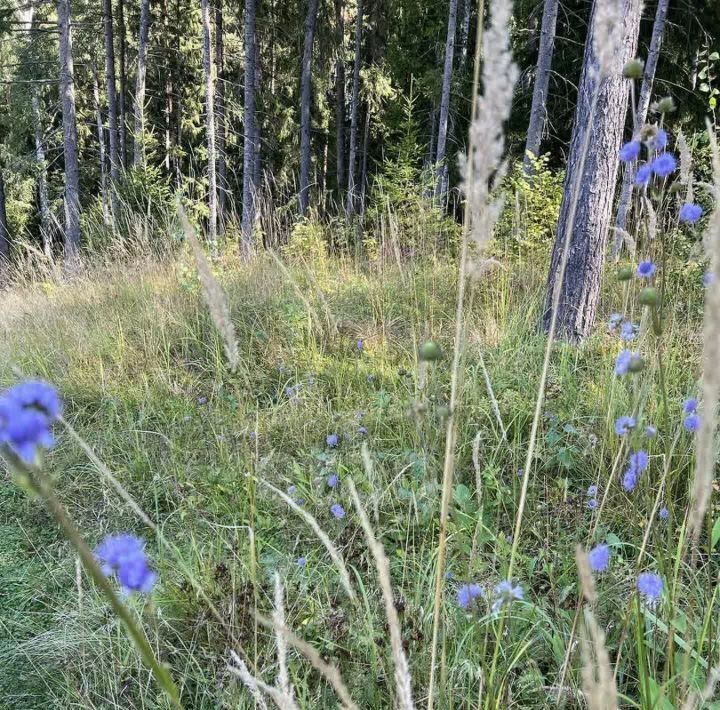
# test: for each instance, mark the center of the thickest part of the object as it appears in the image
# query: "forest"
(359, 353)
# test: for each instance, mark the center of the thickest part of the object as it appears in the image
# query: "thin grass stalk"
(255, 685)
(283, 679)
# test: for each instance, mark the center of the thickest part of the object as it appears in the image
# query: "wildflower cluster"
(124, 556)
(470, 595)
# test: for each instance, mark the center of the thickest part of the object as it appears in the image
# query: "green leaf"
(714, 57)
(715, 536)
(704, 88)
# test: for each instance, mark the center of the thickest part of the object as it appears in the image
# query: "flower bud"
(649, 296)
(634, 69)
(430, 351)
(625, 273)
(665, 105)
(636, 364)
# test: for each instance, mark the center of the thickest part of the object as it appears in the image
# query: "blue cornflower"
(599, 558)
(360, 345)
(301, 562)
(337, 510)
(592, 491)
(592, 504)
(692, 422)
(628, 331)
(664, 513)
(664, 165)
(708, 278)
(622, 363)
(650, 431)
(630, 480)
(333, 480)
(202, 400)
(639, 461)
(36, 395)
(362, 431)
(292, 490)
(624, 424)
(646, 269)
(630, 151)
(650, 585)
(690, 406)
(659, 141)
(468, 594)
(614, 320)
(690, 213)
(124, 556)
(506, 592)
(448, 575)
(332, 440)
(643, 174)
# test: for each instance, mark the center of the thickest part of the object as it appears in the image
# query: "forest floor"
(143, 376)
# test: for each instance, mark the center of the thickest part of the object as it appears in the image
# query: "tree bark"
(641, 114)
(587, 232)
(249, 133)
(220, 112)
(464, 32)
(445, 100)
(4, 231)
(72, 172)
(538, 110)
(101, 145)
(257, 124)
(45, 217)
(364, 162)
(122, 127)
(354, 113)
(305, 105)
(209, 124)
(168, 108)
(112, 107)
(139, 124)
(340, 97)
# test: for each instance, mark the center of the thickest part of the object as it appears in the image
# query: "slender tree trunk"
(220, 112)
(45, 217)
(249, 133)
(257, 124)
(168, 109)
(139, 125)
(101, 145)
(122, 127)
(592, 204)
(364, 162)
(72, 172)
(340, 97)
(354, 113)
(112, 107)
(464, 32)
(209, 124)
(305, 105)
(641, 114)
(4, 231)
(445, 100)
(542, 81)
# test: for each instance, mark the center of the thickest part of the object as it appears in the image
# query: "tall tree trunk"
(112, 107)
(249, 132)
(445, 100)
(139, 125)
(45, 217)
(364, 162)
(220, 112)
(340, 97)
(257, 124)
(641, 114)
(4, 231)
(168, 108)
(122, 127)
(592, 204)
(305, 105)
(542, 81)
(209, 124)
(101, 145)
(72, 172)
(464, 33)
(354, 113)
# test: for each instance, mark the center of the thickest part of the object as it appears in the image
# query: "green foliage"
(307, 243)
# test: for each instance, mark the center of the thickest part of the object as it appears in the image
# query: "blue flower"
(614, 320)
(692, 422)
(708, 278)
(650, 431)
(659, 141)
(650, 585)
(599, 558)
(360, 345)
(646, 269)
(292, 490)
(362, 431)
(592, 504)
(506, 592)
(27, 412)
(624, 424)
(690, 406)
(301, 562)
(124, 556)
(664, 165)
(332, 480)
(332, 440)
(630, 151)
(690, 213)
(639, 461)
(664, 513)
(643, 174)
(592, 491)
(468, 594)
(448, 575)
(337, 510)
(629, 331)
(630, 480)
(622, 363)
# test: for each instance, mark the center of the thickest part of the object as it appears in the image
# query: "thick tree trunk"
(464, 32)
(139, 125)
(445, 100)
(45, 217)
(305, 105)
(101, 145)
(72, 172)
(249, 133)
(122, 123)
(209, 124)
(587, 231)
(340, 97)
(220, 112)
(112, 107)
(354, 113)
(4, 231)
(641, 114)
(542, 82)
